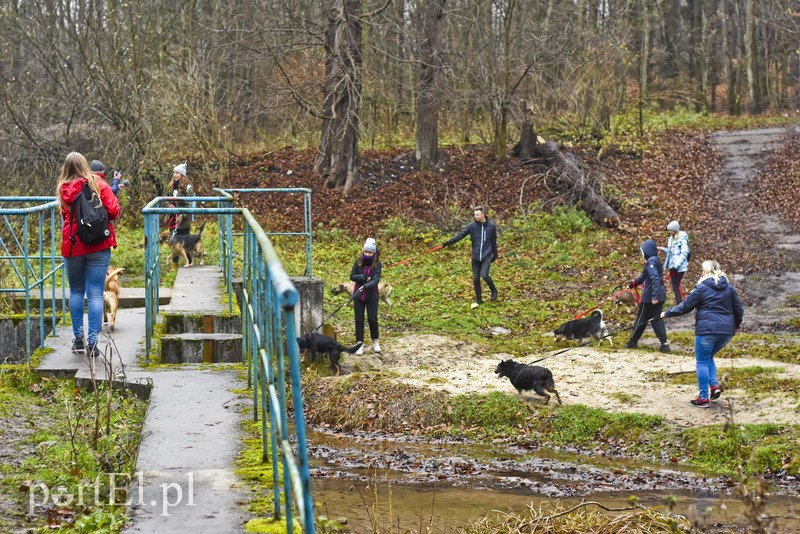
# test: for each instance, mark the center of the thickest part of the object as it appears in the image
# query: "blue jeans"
(705, 348)
(87, 277)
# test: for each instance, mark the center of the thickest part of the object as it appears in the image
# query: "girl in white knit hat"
(676, 262)
(366, 273)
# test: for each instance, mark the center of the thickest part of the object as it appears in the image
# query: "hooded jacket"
(678, 252)
(483, 237)
(719, 310)
(652, 275)
(69, 192)
(360, 273)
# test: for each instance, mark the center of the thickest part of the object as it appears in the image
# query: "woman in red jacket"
(86, 265)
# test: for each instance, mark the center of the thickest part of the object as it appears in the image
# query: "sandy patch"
(583, 376)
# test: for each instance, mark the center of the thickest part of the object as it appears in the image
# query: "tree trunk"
(338, 152)
(429, 87)
(568, 178)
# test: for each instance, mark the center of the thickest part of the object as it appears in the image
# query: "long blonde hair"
(74, 168)
(711, 269)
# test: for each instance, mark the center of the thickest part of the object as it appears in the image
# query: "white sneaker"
(360, 351)
(375, 346)
(474, 305)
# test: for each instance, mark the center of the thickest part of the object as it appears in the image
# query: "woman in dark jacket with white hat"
(718, 316)
(366, 273)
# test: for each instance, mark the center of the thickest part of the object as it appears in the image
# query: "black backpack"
(89, 218)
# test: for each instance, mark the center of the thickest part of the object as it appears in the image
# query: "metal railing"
(268, 338)
(29, 262)
(306, 233)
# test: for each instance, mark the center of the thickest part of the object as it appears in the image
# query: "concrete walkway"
(185, 470)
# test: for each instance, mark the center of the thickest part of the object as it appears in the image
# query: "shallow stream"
(375, 482)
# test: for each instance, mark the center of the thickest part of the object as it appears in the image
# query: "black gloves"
(446, 243)
(631, 284)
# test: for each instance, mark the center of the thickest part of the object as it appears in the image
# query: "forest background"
(145, 85)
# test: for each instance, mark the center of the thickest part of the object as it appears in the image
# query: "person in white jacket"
(676, 262)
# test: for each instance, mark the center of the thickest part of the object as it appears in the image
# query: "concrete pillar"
(308, 313)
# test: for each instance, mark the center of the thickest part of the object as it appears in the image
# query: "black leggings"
(675, 277)
(372, 317)
(646, 312)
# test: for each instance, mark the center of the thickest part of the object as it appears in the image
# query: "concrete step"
(129, 297)
(200, 348)
(181, 323)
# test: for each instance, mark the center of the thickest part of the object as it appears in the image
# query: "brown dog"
(111, 297)
(627, 298)
(184, 245)
(384, 290)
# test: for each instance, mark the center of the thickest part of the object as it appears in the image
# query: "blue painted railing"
(29, 258)
(268, 330)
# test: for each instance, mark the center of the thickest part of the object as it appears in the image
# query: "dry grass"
(587, 517)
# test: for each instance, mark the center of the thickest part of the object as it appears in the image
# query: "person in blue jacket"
(653, 296)
(718, 316)
(483, 234)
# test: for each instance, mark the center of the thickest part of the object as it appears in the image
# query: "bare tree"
(337, 159)
(430, 80)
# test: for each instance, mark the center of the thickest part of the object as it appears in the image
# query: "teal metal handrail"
(268, 337)
(22, 262)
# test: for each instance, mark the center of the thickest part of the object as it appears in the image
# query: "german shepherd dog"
(592, 326)
(526, 377)
(111, 297)
(185, 245)
(317, 343)
(384, 290)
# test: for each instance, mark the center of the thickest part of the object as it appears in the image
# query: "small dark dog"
(528, 377)
(592, 326)
(318, 343)
(185, 245)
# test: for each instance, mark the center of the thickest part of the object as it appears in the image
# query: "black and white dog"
(592, 326)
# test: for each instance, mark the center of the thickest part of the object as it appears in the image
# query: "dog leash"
(328, 318)
(612, 334)
(634, 290)
(409, 259)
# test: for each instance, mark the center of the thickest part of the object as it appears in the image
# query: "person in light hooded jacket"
(676, 261)
(653, 296)
(718, 315)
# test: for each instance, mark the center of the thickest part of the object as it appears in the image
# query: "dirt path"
(623, 380)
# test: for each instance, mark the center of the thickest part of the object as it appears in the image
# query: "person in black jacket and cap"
(718, 317)
(483, 234)
(653, 296)
(366, 273)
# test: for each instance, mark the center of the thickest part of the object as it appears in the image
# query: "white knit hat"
(180, 169)
(674, 227)
(370, 245)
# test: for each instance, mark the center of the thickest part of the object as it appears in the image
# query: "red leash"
(634, 290)
(408, 260)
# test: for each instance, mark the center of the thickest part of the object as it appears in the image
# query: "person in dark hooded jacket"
(483, 234)
(718, 316)
(86, 265)
(366, 273)
(653, 296)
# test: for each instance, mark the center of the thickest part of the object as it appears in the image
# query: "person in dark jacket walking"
(483, 234)
(718, 317)
(653, 296)
(86, 265)
(366, 273)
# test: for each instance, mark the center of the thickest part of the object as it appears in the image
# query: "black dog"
(528, 377)
(592, 326)
(318, 343)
